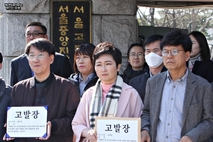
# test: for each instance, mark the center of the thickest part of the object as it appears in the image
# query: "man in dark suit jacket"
(154, 60)
(5, 99)
(20, 68)
(178, 104)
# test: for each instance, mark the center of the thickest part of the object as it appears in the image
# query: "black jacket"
(204, 69)
(61, 97)
(20, 68)
(129, 73)
(139, 83)
(5, 98)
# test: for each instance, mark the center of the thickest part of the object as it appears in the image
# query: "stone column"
(112, 20)
(14, 15)
(115, 21)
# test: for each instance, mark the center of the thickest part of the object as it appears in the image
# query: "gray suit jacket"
(197, 107)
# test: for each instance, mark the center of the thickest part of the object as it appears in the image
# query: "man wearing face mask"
(154, 60)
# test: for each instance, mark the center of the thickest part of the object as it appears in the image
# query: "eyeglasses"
(134, 54)
(173, 52)
(35, 34)
(39, 56)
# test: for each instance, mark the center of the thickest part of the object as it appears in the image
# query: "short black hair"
(152, 39)
(1, 58)
(43, 27)
(119, 54)
(41, 44)
(175, 38)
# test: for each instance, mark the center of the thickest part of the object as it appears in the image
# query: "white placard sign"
(27, 121)
(118, 129)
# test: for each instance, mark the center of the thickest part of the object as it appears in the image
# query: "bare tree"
(190, 18)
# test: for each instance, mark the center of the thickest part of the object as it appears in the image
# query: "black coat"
(5, 98)
(129, 73)
(20, 68)
(204, 69)
(62, 99)
(139, 83)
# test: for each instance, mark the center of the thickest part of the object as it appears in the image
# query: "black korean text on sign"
(71, 26)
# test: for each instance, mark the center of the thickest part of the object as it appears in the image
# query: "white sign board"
(26, 122)
(117, 129)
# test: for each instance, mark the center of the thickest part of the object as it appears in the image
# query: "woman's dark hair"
(107, 48)
(1, 58)
(201, 39)
(41, 44)
(83, 49)
(119, 54)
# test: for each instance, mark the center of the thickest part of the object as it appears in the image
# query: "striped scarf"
(192, 61)
(109, 107)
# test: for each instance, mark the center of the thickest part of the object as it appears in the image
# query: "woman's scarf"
(192, 60)
(110, 105)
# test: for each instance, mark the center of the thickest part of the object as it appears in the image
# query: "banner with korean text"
(27, 121)
(118, 129)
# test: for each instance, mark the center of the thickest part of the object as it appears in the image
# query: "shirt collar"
(169, 78)
(89, 77)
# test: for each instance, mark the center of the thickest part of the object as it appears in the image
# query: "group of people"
(159, 85)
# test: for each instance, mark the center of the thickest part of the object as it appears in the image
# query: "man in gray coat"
(178, 104)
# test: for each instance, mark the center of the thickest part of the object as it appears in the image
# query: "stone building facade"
(111, 20)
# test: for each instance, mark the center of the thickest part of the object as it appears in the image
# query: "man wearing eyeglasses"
(153, 56)
(47, 89)
(20, 68)
(178, 104)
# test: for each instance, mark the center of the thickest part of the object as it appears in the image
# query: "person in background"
(47, 89)
(84, 76)
(200, 62)
(110, 97)
(5, 98)
(178, 104)
(200, 49)
(153, 56)
(136, 62)
(20, 68)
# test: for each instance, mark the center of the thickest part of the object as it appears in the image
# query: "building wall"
(112, 20)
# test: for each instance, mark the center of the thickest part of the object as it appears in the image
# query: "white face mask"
(153, 60)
